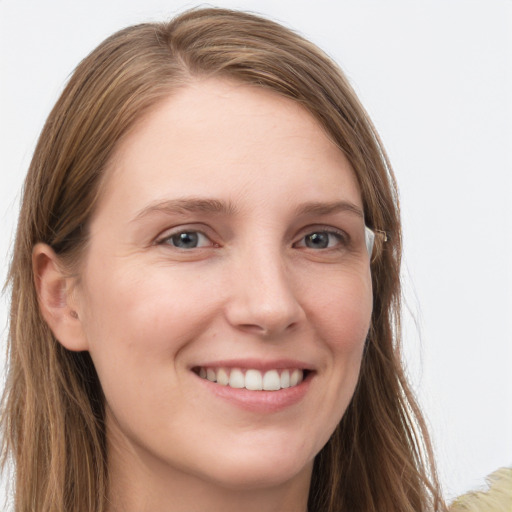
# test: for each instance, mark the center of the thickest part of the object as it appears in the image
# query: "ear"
(57, 298)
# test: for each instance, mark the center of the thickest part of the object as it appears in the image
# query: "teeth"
(237, 379)
(222, 377)
(254, 380)
(285, 379)
(271, 381)
(295, 377)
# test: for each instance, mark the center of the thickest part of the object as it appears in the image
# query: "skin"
(148, 312)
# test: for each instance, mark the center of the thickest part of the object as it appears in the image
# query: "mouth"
(253, 379)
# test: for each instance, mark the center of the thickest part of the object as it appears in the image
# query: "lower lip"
(260, 401)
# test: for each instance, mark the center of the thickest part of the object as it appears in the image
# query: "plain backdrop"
(436, 78)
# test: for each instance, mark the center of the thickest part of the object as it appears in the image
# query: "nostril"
(266, 330)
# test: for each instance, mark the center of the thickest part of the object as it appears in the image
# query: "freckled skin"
(151, 311)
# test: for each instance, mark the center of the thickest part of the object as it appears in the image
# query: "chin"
(254, 475)
(247, 469)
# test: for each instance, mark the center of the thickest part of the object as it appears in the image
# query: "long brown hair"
(379, 457)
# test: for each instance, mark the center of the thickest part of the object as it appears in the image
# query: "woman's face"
(228, 244)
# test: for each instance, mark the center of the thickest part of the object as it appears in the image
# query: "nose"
(264, 295)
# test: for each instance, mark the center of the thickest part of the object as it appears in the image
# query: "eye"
(186, 240)
(325, 239)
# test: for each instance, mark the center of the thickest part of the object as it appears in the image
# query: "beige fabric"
(498, 498)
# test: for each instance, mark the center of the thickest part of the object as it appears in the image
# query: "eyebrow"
(320, 208)
(184, 206)
(187, 205)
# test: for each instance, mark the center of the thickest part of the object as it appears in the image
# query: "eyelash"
(341, 237)
(166, 240)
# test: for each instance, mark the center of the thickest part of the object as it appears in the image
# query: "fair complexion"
(228, 243)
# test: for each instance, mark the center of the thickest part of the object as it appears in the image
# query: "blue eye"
(321, 240)
(187, 240)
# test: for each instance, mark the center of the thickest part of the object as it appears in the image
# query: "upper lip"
(256, 364)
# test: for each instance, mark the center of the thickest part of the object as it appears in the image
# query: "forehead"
(235, 142)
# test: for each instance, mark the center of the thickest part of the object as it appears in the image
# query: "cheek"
(350, 322)
(343, 319)
(343, 312)
(137, 324)
(341, 315)
(137, 319)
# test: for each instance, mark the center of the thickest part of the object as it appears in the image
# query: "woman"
(205, 297)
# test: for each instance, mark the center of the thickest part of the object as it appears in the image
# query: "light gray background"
(436, 77)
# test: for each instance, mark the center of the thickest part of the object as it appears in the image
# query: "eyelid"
(169, 233)
(342, 235)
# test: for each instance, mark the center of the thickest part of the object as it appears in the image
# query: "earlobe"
(56, 301)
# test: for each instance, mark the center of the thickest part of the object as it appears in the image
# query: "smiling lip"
(284, 382)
